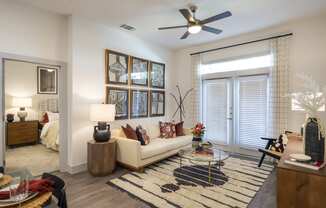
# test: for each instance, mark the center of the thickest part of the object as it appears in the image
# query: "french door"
(218, 110)
(234, 111)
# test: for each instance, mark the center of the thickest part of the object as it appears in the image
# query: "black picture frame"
(157, 97)
(121, 64)
(144, 70)
(157, 75)
(136, 107)
(122, 108)
(52, 78)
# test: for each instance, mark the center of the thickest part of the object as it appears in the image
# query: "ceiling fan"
(195, 25)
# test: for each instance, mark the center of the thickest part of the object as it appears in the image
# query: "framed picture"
(119, 97)
(47, 80)
(139, 103)
(139, 71)
(116, 68)
(157, 101)
(157, 75)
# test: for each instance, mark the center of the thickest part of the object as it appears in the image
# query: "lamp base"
(102, 132)
(22, 114)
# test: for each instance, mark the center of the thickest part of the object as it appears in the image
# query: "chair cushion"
(271, 153)
(159, 146)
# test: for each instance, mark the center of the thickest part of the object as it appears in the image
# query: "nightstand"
(101, 157)
(20, 133)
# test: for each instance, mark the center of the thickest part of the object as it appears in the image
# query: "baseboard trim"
(77, 169)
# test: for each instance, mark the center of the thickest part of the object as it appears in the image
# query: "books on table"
(308, 165)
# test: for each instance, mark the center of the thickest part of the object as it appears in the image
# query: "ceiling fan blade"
(211, 29)
(187, 15)
(216, 17)
(185, 35)
(173, 27)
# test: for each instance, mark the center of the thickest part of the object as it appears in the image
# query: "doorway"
(33, 109)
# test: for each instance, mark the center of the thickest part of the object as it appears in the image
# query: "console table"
(299, 187)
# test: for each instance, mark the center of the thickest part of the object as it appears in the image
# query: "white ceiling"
(148, 15)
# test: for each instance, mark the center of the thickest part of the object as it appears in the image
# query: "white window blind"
(215, 105)
(252, 104)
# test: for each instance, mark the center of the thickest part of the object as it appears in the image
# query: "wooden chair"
(268, 151)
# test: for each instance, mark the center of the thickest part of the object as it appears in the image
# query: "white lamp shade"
(102, 112)
(21, 102)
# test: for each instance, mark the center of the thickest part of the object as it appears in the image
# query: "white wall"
(308, 54)
(32, 32)
(88, 43)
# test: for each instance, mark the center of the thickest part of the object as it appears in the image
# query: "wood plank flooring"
(86, 191)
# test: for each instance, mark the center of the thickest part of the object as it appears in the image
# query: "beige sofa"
(135, 156)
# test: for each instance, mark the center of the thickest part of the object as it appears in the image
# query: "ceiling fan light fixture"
(193, 29)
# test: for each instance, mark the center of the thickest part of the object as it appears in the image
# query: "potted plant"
(198, 132)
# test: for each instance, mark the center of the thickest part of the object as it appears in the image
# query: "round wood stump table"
(101, 157)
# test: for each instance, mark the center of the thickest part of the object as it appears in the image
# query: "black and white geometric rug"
(167, 185)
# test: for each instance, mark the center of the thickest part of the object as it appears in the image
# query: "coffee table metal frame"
(218, 157)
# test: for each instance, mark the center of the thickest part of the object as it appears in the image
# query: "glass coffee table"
(216, 157)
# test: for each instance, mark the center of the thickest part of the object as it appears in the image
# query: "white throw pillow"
(53, 116)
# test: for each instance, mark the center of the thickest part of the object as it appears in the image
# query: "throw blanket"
(40, 186)
(50, 135)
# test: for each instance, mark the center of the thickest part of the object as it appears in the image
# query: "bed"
(50, 120)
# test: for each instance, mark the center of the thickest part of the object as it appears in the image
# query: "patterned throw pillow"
(167, 130)
(142, 135)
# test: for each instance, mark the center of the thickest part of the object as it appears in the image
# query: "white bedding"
(50, 135)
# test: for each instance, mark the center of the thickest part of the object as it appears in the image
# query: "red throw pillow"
(179, 129)
(167, 130)
(129, 132)
(45, 118)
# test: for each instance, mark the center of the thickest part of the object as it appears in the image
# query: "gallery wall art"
(157, 75)
(157, 102)
(135, 85)
(117, 68)
(139, 71)
(139, 103)
(119, 97)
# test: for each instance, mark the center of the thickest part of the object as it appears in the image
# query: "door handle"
(229, 118)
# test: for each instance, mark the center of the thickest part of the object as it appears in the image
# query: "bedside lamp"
(22, 104)
(102, 113)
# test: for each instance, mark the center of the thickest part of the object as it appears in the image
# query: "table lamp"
(22, 104)
(102, 113)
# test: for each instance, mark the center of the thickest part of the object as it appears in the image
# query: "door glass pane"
(252, 111)
(215, 109)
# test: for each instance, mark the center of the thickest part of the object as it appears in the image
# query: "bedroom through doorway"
(31, 117)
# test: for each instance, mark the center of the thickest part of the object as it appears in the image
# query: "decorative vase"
(10, 117)
(196, 140)
(314, 142)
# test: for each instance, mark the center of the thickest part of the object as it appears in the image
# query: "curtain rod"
(240, 44)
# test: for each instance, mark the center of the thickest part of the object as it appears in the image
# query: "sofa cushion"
(159, 146)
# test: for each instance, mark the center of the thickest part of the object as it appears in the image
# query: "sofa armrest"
(128, 151)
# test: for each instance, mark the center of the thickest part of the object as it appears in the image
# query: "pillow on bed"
(52, 116)
(45, 118)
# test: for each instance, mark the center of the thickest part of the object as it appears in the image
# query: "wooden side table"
(101, 157)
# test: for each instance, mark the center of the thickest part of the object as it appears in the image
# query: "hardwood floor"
(84, 190)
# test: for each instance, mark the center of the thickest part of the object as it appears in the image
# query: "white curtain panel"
(279, 101)
(197, 88)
